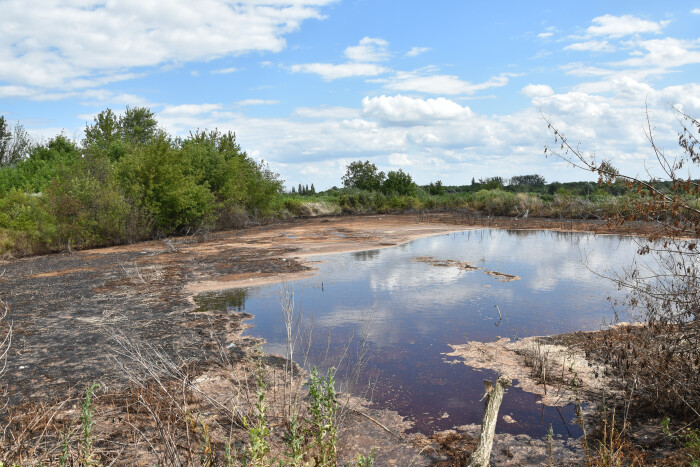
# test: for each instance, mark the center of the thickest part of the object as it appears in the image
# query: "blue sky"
(446, 90)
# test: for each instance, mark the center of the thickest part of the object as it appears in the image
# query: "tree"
(398, 182)
(15, 143)
(363, 175)
(103, 131)
(138, 125)
(436, 188)
(663, 288)
(528, 180)
(313, 189)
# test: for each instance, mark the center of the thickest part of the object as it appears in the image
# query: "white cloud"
(369, 50)
(15, 91)
(447, 140)
(363, 58)
(417, 51)
(187, 110)
(246, 102)
(329, 71)
(441, 84)
(336, 112)
(398, 159)
(664, 53)
(537, 90)
(224, 71)
(545, 35)
(50, 44)
(695, 11)
(591, 46)
(408, 110)
(618, 26)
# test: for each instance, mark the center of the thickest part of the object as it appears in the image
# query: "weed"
(87, 423)
(294, 440)
(365, 461)
(688, 438)
(323, 409)
(65, 450)
(259, 430)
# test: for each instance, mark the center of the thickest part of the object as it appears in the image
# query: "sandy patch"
(562, 371)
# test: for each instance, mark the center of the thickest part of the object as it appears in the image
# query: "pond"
(397, 309)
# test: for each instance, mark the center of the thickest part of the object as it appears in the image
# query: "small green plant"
(365, 461)
(65, 450)
(294, 439)
(87, 423)
(688, 438)
(550, 439)
(259, 430)
(323, 409)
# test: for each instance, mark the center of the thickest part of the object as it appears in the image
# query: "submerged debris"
(445, 263)
(464, 266)
(502, 276)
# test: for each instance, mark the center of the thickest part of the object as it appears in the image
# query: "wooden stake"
(494, 397)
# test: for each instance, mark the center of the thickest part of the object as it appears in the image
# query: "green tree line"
(128, 180)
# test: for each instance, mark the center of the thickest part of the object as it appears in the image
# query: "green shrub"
(87, 205)
(27, 226)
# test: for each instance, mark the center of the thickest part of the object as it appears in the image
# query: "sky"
(446, 90)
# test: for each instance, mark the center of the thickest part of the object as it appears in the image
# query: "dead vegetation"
(246, 410)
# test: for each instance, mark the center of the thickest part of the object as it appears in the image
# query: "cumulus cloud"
(188, 110)
(447, 140)
(246, 102)
(369, 50)
(591, 46)
(537, 90)
(419, 81)
(417, 51)
(618, 26)
(664, 53)
(223, 71)
(409, 110)
(363, 58)
(57, 45)
(327, 112)
(695, 11)
(330, 72)
(545, 35)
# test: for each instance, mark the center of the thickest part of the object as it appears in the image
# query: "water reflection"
(230, 300)
(366, 255)
(406, 312)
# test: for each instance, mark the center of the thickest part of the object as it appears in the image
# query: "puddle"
(398, 315)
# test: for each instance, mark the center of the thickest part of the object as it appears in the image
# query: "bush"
(26, 225)
(87, 205)
(166, 187)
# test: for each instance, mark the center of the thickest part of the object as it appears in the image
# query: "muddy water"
(398, 315)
